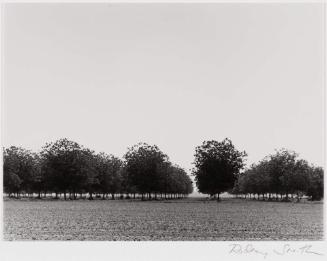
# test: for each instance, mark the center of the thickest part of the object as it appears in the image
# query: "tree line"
(220, 167)
(280, 176)
(66, 169)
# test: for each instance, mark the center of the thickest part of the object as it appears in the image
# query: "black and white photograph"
(163, 122)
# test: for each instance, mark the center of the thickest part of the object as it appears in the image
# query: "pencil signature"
(247, 249)
(285, 249)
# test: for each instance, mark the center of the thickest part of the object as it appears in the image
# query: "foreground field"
(189, 219)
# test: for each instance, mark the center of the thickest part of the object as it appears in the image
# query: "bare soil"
(187, 219)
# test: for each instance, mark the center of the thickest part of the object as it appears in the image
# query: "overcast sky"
(111, 75)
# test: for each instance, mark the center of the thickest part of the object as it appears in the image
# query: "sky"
(111, 75)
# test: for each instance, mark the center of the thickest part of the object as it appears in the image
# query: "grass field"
(189, 219)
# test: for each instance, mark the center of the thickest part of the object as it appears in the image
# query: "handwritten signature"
(287, 249)
(247, 249)
(284, 250)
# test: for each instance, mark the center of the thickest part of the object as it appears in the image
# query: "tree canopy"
(217, 165)
(65, 167)
(282, 173)
(150, 171)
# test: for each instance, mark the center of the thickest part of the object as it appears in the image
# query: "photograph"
(163, 122)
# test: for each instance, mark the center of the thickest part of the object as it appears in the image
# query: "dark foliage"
(281, 175)
(66, 168)
(217, 165)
